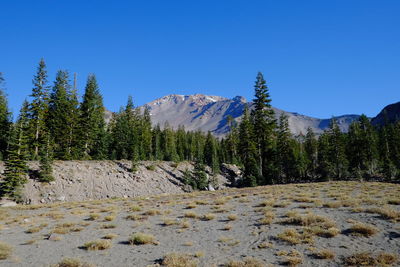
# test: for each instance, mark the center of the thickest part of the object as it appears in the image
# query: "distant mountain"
(389, 114)
(210, 113)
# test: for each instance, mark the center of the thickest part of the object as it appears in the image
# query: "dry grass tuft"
(179, 260)
(152, 212)
(363, 229)
(70, 262)
(247, 262)
(325, 254)
(386, 213)
(169, 221)
(232, 217)
(110, 236)
(208, 217)
(387, 259)
(5, 251)
(293, 258)
(360, 259)
(293, 237)
(190, 214)
(142, 239)
(97, 245)
(227, 227)
(265, 245)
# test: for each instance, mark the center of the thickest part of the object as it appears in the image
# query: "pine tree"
(248, 151)
(15, 163)
(199, 176)
(232, 141)
(169, 144)
(156, 143)
(286, 160)
(337, 151)
(311, 153)
(264, 125)
(92, 125)
(146, 135)
(63, 116)
(211, 153)
(46, 160)
(5, 119)
(38, 107)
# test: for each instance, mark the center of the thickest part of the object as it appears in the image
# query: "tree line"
(54, 124)
(270, 153)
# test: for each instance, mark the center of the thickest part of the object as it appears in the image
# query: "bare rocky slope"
(210, 113)
(91, 180)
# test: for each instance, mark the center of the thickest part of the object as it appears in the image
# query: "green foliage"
(46, 161)
(211, 153)
(63, 119)
(264, 125)
(198, 178)
(92, 132)
(5, 119)
(15, 162)
(38, 109)
(248, 149)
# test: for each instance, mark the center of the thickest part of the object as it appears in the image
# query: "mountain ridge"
(210, 113)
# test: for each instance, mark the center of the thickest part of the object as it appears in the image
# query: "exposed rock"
(85, 180)
(7, 203)
(210, 113)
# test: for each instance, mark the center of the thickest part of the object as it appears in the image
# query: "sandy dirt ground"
(319, 224)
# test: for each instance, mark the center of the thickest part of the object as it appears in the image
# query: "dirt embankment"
(90, 180)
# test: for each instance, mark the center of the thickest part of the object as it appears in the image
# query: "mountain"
(210, 113)
(389, 114)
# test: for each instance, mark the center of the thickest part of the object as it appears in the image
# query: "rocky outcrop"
(90, 180)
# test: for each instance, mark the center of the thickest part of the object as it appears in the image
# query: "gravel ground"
(213, 228)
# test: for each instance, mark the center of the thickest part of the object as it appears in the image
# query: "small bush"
(151, 167)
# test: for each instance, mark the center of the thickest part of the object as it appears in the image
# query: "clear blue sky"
(320, 58)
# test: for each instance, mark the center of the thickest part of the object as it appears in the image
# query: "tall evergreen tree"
(248, 150)
(211, 153)
(92, 124)
(232, 141)
(63, 117)
(146, 134)
(39, 107)
(5, 119)
(46, 160)
(286, 158)
(311, 153)
(337, 151)
(15, 163)
(264, 125)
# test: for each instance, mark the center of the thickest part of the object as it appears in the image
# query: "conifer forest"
(55, 123)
